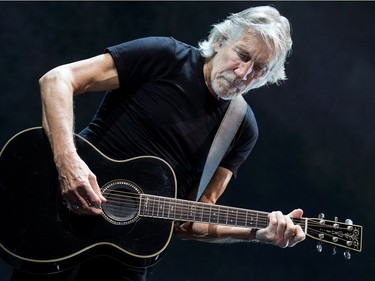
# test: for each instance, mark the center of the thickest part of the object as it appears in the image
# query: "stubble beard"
(223, 90)
(226, 87)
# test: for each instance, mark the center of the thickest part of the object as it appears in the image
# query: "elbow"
(50, 77)
(57, 78)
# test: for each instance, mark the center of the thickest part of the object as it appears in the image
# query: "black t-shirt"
(163, 108)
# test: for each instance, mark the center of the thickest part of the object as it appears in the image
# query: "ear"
(219, 44)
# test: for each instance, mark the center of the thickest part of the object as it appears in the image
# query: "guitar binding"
(122, 206)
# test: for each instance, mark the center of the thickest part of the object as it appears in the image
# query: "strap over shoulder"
(229, 125)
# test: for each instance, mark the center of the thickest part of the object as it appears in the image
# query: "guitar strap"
(224, 135)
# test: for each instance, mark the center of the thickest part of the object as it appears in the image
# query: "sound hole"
(122, 202)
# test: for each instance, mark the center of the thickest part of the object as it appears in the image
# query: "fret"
(210, 214)
(231, 220)
(213, 214)
(205, 213)
(192, 212)
(251, 220)
(184, 214)
(161, 207)
(178, 212)
(152, 208)
(142, 205)
(186, 211)
(177, 209)
(146, 206)
(240, 218)
(222, 218)
(199, 213)
(157, 205)
(170, 209)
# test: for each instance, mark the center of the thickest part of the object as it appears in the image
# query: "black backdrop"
(316, 148)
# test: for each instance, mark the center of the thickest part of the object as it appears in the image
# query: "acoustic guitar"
(40, 234)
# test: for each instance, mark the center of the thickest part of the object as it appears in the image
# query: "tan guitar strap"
(229, 125)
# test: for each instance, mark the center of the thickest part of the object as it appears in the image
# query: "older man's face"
(238, 66)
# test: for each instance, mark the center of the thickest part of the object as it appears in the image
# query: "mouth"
(233, 83)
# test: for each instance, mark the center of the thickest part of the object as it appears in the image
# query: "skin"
(228, 73)
(237, 66)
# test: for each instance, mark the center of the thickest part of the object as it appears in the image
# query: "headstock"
(344, 235)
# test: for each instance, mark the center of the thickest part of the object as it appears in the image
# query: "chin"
(227, 93)
(229, 96)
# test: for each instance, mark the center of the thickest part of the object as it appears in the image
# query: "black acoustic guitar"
(39, 234)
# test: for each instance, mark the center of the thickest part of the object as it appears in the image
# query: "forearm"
(281, 231)
(214, 233)
(57, 107)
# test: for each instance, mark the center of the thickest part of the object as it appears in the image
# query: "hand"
(78, 185)
(281, 231)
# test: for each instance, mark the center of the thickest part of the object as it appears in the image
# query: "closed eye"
(242, 55)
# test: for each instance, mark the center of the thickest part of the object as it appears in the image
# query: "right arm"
(57, 88)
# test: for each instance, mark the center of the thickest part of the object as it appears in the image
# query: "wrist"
(253, 235)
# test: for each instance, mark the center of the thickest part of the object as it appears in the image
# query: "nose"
(244, 70)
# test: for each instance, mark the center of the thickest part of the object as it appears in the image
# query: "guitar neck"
(345, 235)
(183, 210)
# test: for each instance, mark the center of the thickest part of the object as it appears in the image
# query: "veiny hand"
(281, 231)
(78, 185)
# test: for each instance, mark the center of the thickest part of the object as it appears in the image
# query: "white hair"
(263, 20)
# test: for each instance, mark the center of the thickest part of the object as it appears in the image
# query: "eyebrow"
(250, 55)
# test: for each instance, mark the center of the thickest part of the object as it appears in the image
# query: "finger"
(297, 213)
(74, 196)
(90, 198)
(99, 198)
(281, 225)
(299, 235)
(272, 225)
(290, 231)
(289, 227)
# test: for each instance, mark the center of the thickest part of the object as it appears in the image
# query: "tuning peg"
(347, 255)
(334, 251)
(321, 217)
(336, 225)
(349, 222)
(319, 247)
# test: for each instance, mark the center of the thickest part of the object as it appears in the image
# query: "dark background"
(316, 148)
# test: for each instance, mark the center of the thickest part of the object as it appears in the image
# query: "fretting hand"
(281, 231)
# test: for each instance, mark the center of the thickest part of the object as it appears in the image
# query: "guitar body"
(39, 234)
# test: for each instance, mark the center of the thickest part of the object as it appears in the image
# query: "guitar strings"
(131, 195)
(262, 219)
(125, 202)
(126, 199)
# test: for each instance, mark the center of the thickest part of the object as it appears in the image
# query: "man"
(165, 98)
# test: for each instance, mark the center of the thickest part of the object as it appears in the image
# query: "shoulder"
(249, 128)
(156, 46)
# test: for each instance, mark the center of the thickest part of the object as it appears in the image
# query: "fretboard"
(183, 210)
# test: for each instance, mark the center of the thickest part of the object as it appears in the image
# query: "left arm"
(281, 231)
